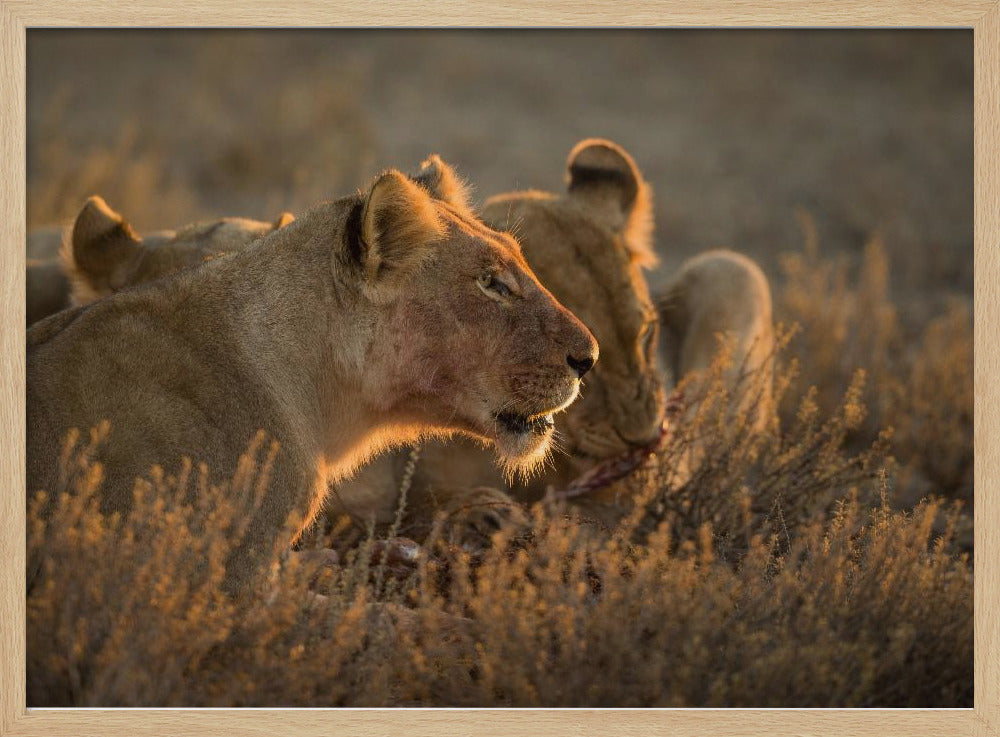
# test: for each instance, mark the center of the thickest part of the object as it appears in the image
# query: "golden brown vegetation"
(919, 381)
(776, 574)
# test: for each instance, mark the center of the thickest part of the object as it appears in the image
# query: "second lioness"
(374, 320)
(61, 274)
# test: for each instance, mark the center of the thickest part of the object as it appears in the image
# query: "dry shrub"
(119, 608)
(843, 604)
(931, 408)
(131, 611)
(731, 465)
(843, 617)
(920, 373)
(844, 326)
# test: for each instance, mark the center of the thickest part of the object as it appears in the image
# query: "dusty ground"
(868, 132)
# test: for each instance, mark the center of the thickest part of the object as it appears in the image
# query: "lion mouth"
(617, 468)
(522, 439)
(520, 424)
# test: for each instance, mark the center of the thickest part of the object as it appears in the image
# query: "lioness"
(61, 272)
(589, 246)
(721, 300)
(381, 318)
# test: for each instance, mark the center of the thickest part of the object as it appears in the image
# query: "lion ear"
(605, 179)
(102, 250)
(283, 219)
(442, 182)
(399, 223)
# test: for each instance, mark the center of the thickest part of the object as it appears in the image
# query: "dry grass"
(776, 574)
(920, 383)
(759, 568)
(719, 472)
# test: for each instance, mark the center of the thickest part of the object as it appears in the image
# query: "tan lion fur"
(721, 300)
(64, 268)
(359, 326)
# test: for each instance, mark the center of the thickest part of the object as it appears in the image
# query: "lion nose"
(581, 364)
(579, 343)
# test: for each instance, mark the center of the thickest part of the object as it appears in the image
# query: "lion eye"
(493, 286)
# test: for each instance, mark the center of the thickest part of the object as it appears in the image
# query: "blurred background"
(869, 132)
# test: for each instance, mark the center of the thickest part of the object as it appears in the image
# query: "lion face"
(589, 247)
(105, 254)
(476, 339)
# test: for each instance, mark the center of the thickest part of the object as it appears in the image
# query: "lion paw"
(475, 515)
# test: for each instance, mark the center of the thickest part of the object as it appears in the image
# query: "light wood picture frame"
(982, 16)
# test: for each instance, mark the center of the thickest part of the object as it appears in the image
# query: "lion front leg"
(470, 517)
